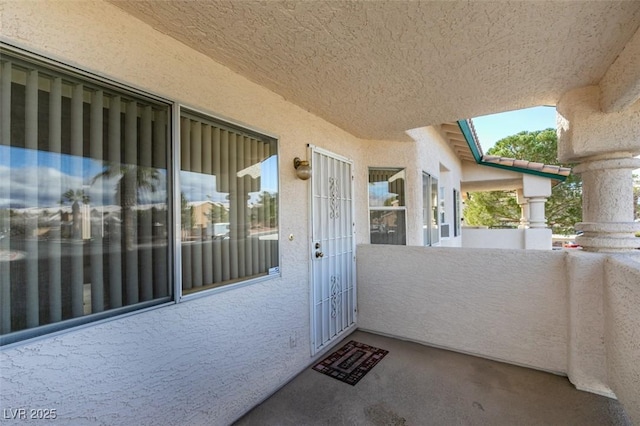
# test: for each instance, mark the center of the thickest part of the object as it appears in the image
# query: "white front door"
(333, 292)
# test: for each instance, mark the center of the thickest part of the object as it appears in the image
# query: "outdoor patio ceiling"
(380, 68)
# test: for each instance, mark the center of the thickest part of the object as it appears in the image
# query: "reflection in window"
(83, 199)
(457, 218)
(430, 228)
(229, 203)
(387, 209)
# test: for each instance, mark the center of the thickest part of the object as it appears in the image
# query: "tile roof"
(462, 138)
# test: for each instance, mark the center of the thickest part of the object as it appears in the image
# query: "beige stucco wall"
(571, 313)
(587, 367)
(622, 331)
(436, 158)
(426, 153)
(210, 359)
(204, 361)
(584, 130)
(502, 304)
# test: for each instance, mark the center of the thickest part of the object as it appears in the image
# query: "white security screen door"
(333, 292)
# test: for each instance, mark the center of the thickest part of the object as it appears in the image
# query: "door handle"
(319, 254)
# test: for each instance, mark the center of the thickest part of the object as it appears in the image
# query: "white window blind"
(83, 197)
(229, 203)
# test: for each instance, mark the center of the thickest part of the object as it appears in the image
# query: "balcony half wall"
(572, 314)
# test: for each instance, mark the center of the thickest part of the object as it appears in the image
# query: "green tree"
(269, 205)
(499, 208)
(187, 215)
(496, 209)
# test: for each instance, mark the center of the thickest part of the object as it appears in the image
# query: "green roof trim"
(473, 146)
(468, 136)
(554, 176)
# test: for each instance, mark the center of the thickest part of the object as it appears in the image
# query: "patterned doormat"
(351, 362)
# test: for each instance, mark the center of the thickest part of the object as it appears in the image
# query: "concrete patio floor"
(420, 385)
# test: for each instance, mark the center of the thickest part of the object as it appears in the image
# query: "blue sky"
(492, 128)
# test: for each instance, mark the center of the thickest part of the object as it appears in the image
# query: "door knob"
(319, 254)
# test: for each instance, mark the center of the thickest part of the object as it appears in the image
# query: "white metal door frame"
(316, 262)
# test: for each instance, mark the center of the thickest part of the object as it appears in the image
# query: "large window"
(94, 220)
(229, 203)
(83, 198)
(387, 208)
(430, 224)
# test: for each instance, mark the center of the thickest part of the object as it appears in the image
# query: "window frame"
(68, 73)
(457, 219)
(387, 208)
(430, 210)
(194, 111)
(92, 80)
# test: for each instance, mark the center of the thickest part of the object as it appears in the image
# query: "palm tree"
(75, 198)
(133, 180)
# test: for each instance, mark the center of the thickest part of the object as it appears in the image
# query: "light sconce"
(303, 169)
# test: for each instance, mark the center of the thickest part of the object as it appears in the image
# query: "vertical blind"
(83, 197)
(229, 203)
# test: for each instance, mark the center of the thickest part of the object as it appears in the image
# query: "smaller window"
(229, 203)
(430, 223)
(387, 208)
(456, 213)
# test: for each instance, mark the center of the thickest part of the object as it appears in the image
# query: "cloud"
(43, 187)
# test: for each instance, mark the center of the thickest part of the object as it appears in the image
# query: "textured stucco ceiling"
(378, 68)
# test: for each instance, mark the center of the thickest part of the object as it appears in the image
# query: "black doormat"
(351, 362)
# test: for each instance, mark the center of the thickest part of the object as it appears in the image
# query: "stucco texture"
(379, 68)
(584, 130)
(206, 360)
(622, 333)
(515, 310)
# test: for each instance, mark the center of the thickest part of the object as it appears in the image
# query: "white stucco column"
(607, 204)
(536, 190)
(537, 217)
(604, 144)
(524, 209)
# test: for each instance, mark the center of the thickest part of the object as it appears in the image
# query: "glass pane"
(386, 187)
(426, 209)
(83, 201)
(457, 220)
(229, 204)
(388, 227)
(435, 228)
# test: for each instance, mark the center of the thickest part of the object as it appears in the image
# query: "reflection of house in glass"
(210, 219)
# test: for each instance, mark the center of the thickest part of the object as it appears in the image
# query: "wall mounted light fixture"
(303, 169)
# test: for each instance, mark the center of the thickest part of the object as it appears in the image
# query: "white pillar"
(537, 217)
(604, 144)
(524, 209)
(607, 204)
(536, 190)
